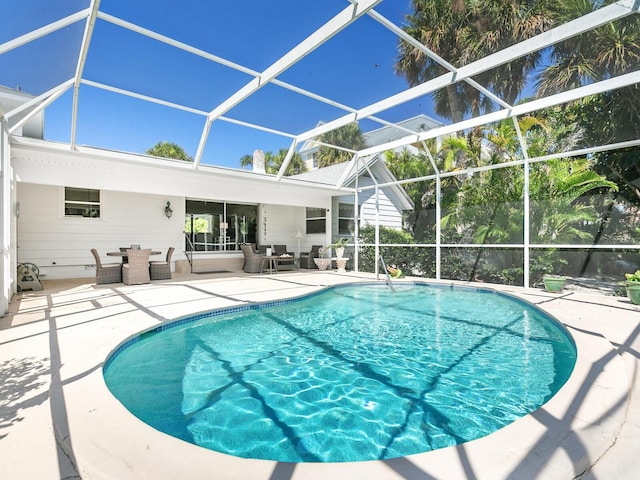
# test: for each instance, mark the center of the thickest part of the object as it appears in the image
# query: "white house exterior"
(382, 206)
(134, 191)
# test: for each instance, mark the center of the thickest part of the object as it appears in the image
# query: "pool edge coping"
(583, 434)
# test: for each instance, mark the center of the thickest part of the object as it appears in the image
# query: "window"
(346, 219)
(220, 226)
(81, 202)
(316, 220)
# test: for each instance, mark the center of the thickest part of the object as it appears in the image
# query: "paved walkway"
(57, 419)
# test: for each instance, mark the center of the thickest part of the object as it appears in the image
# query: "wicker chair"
(306, 258)
(161, 270)
(137, 270)
(107, 272)
(252, 259)
(284, 264)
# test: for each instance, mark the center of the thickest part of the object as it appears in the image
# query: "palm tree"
(487, 208)
(406, 165)
(607, 51)
(349, 136)
(462, 31)
(169, 150)
(273, 162)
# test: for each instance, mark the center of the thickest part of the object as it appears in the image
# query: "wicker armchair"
(252, 259)
(279, 250)
(159, 269)
(107, 272)
(137, 270)
(306, 258)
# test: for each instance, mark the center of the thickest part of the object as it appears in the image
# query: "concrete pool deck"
(58, 420)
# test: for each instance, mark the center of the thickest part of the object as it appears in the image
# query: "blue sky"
(355, 68)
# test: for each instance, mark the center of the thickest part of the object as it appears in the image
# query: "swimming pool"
(351, 373)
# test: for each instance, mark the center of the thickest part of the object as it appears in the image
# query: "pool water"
(352, 373)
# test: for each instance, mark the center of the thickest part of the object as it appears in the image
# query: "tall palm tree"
(273, 162)
(607, 51)
(350, 136)
(169, 150)
(463, 31)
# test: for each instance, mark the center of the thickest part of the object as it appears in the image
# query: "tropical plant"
(607, 51)
(273, 162)
(633, 277)
(608, 118)
(339, 243)
(169, 150)
(406, 165)
(349, 136)
(488, 206)
(463, 31)
(416, 261)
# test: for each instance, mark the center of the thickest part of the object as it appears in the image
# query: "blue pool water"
(352, 373)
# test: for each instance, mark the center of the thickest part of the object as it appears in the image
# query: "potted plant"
(553, 283)
(633, 287)
(338, 246)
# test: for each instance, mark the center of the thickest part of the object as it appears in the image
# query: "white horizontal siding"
(283, 223)
(61, 246)
(389, 214)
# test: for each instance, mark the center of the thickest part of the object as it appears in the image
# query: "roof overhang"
(50, 163)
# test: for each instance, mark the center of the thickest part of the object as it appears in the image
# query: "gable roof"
(332, 174)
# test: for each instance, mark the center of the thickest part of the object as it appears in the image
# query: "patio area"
(58, 420)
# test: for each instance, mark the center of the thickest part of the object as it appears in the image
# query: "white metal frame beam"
(43, 31)
(517, 110)
(563, 32)
(82, 58)
(313, 41)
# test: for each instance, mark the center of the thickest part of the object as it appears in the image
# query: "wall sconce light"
(167, 210)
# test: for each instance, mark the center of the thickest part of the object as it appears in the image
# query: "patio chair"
(106, 272)
(306, 258)
(279, 250)
(161, 269)
(137, 270)
(252, 259)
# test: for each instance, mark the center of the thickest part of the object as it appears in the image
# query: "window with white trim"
(316, 220)
(346, 219)
(81, 202)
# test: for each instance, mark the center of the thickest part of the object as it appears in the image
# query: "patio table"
(274, 261)
(124, 254)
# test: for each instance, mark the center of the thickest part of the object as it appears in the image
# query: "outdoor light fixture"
(167, 210)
